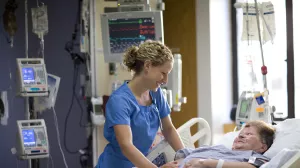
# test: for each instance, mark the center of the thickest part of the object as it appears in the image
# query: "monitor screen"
(126, 32)
(121, 30)
(97, 109)
(243, 109)
(28, 137)
(28, 75)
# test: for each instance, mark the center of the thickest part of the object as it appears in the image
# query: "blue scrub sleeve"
(164, 108)
(117, 111)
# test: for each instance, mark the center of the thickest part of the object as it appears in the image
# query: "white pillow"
(228, 138)
(287, 136)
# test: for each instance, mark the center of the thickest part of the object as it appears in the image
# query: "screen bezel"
(117, 57)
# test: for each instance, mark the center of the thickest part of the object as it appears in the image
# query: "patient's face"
(249, 139)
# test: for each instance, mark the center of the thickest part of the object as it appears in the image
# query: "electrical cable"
(74, 95)
(52, 163)
(79, 103)
(17, 163)
(58, 137)
(69, 111)
(78, 59)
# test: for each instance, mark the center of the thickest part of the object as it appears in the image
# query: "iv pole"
(32, 163)
(27, 113)
(93, 72)
(268, 110)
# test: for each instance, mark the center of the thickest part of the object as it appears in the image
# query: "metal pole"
(26, 30)
(93, 79)
(27, 114)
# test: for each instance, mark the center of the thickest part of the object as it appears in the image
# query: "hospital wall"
(214, 63)
(62, 16)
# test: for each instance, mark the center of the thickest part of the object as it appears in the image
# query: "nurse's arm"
(171, 134)
(124, 138)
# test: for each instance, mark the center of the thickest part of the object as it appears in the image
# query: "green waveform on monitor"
(140, 21)
(128, 38)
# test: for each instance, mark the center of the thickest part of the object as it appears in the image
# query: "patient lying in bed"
(247, 149)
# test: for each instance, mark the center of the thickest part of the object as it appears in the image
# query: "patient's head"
(256, 135)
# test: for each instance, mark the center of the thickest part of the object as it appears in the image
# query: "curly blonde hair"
(153, 51)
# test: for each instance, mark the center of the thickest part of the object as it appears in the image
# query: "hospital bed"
(284, 153)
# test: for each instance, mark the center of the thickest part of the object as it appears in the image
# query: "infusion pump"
(32, 77)
(32, 139)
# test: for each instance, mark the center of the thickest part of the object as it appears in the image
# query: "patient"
(247, 149)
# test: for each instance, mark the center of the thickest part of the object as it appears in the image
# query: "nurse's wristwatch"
(179, 155)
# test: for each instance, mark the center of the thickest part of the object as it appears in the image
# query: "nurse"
(137, 109)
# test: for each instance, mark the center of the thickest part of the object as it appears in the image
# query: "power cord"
(74, 95)
(75, 75)
(52, 163)
(78, 59)
(17, 163)
(77, 99)
(58, 137)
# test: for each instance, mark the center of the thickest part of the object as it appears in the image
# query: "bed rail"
(163, 152)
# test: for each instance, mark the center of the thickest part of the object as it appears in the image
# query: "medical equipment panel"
(175, 85)
(136, 5)
(84, 27)
(173, 89)
(97, 114)
(122, 30)
(32, 139)
(247, 109)
(32, 77)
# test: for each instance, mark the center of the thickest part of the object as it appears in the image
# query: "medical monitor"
(121, 30)
(32, 139)
(32, 77)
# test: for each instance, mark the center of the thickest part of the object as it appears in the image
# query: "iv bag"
(41, 103)
(250, 29)
(39, 20)
(269, 27)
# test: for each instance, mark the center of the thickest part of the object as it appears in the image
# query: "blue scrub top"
(122, 108)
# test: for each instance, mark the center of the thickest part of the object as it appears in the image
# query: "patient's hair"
(265, 131)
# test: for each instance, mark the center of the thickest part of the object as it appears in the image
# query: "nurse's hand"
(196, 163)
(174, 164)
